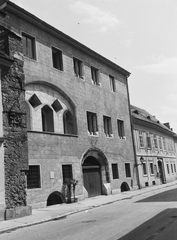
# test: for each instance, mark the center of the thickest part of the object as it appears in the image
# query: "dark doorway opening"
(55, 198)
(124, 187)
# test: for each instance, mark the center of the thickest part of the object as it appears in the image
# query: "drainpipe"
(133, 141)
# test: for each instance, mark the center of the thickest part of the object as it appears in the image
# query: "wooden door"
(92, 181)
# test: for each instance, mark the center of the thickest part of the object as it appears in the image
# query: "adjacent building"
(78, 115)
(155, 149)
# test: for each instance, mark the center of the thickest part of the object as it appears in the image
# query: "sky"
(138, 35)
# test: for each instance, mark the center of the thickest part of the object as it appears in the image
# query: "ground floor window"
(168, 170)
(144, 169)
(152, 168)
(174, 167)
(33, 177)
(115, 173)
(127, 170)
(67, 172)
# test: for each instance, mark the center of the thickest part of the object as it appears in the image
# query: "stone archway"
(55, 198)
(95, 172)
(124, 187)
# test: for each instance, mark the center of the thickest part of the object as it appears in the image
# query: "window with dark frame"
(92, 123)
(141, 139)
(127, 170)
(67, 172)
(164, 144)
(33, 177)
(144, 169)
(152, 168)
(95, 75)
(57, 59)
(160, 143)
(28, 46)
(112, 83)
(107, 126)
(174, 167)
(171, 167)
(47, 119)
(78, 67)
(120, 126)
(115, 172)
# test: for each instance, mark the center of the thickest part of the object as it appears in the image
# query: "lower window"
(115, 173)
(67, 172)
(127, 170)
(33, 177)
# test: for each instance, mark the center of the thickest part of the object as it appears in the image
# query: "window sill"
(28, 58)
(80, 77)
(93, 135)
(31, 189)
(57, 69)
(53, 133)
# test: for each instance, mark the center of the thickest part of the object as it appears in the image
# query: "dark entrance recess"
(124, 187)
(92, 176)
(55, 198)
(161, 174)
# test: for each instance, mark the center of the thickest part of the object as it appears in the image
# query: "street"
(143, 217)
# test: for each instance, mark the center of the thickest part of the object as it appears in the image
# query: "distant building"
(78, 115)
(155, 149)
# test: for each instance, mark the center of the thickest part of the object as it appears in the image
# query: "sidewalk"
(56, 212)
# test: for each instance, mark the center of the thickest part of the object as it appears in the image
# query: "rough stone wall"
(14, 122)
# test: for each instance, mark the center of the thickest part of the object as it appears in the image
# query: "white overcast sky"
(138, 35)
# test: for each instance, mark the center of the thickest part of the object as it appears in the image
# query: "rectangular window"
(78, 67)
(141, 139)
(172, 168)
(127, 170)
(168, 170)
(28, 46)
(112, 83)
(152, 168)
(57, 59)
(144, 169)
(160, 143)
(115, 172)
(107, 126)
(92, 123)
(120, 126)
(155, 142)
(148, 140)
(164, 144)
(67, 172)
(33, 177)
(95, 75)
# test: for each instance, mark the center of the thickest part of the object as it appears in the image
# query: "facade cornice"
(152, 126)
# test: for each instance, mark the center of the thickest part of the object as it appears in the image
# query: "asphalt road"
(140, 218)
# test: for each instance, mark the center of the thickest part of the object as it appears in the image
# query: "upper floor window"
(155, 141)
(107, 126)
(68, 121)
(121, 132)
(112, 83)
(78, 67)
(160, 143)
(28, 46)
(164, 144)
(47, 119)
(92, 123)
(152, 168)
(148, 140)
(57, 59)
(95, 75)
(141, 139)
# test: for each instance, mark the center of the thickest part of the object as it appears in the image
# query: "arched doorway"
(124, 187)
(95, 172)
(55, 198)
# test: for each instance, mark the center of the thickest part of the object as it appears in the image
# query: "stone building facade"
(78, 115)
(155, 149)
(13, 131)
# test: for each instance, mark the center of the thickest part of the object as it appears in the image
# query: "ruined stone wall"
(14, 119)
